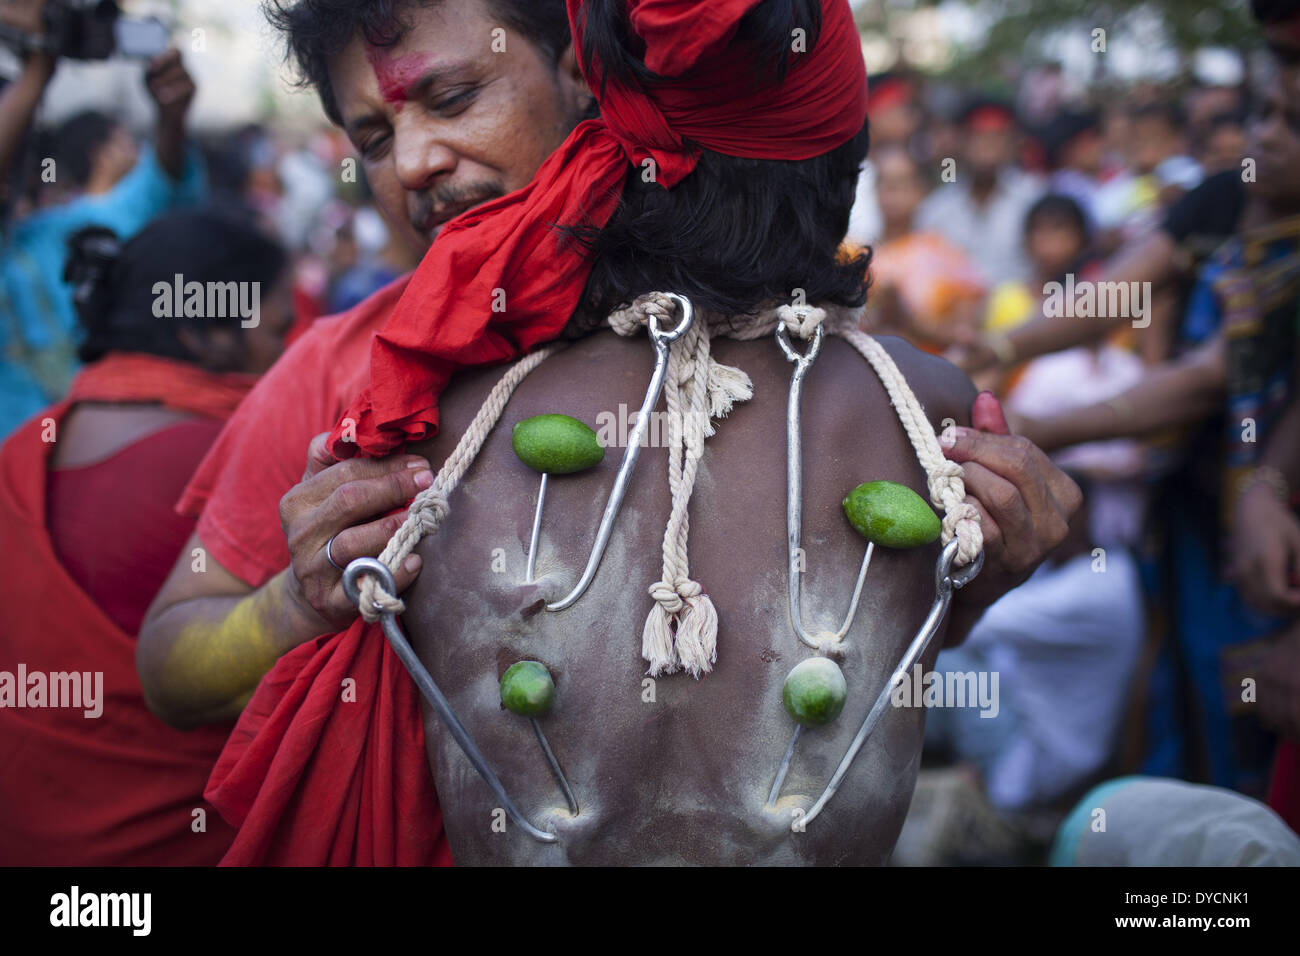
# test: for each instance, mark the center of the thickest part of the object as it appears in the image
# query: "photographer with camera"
(105, 179)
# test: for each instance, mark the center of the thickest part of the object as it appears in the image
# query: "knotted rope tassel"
(681, 630)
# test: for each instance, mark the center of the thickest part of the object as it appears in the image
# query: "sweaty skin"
(676, 770)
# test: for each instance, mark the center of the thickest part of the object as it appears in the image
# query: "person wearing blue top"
(107, 181)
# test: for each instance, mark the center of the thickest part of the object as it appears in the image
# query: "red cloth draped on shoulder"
(138, 377)
(299, 767)
(119, 788)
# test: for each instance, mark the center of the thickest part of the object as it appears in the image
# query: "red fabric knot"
(707, 95)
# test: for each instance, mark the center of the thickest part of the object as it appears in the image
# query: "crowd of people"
(1120, 270)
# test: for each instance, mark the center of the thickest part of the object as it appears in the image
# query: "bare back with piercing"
(672, 769)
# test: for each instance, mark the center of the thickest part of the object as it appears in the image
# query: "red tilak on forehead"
(396, 74)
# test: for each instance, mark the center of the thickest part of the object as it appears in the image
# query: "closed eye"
(455, 102)
(372, 147)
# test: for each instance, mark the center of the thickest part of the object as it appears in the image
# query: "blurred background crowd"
(1011, 150)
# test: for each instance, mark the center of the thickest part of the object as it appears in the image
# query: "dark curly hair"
(317, 30)
(736, 233)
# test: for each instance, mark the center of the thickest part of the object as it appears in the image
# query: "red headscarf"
(446, 318)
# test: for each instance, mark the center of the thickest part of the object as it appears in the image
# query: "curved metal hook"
(794, 492)
(429, 689)
(945, 582)
(662, 340)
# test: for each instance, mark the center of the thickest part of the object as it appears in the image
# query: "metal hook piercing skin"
(424, 680)
(794, 492)
(555, 767)
(662, 340)
(945, 581)
(785, 766)
(537, 529)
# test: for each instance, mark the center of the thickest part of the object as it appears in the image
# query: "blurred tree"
(1019, 29)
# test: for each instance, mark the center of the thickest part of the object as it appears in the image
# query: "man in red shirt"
(461, 109)
(453, 105)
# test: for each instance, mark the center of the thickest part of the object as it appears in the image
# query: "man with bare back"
(678, 769)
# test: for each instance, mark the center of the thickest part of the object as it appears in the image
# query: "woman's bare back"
(675, 770)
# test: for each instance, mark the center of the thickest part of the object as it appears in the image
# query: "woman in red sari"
(90, 776)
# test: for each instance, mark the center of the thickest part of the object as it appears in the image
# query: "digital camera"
(91, 30)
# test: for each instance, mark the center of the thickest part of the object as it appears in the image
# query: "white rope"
(681, 630)
(944, 478)
(429, 508)
(800, 320)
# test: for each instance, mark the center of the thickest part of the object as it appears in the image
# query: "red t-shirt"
(262, 452)
(309, 781)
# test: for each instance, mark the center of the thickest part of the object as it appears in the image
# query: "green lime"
(527, 689)
(891, 514)
(556, 444)
(814, 691)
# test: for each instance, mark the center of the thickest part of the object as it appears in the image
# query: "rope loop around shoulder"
(430, 507)
(945, 480)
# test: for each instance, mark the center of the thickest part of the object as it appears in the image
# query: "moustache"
(434, 203)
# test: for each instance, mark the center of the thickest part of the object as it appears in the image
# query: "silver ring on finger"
(329, 555)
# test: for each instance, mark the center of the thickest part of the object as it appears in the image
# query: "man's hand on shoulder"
(1025, 504)
(339, 504)
(209, 638)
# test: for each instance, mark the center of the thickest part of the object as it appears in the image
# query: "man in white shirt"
(982, 209)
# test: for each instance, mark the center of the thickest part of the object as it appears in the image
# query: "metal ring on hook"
(662, 340)
(688, 316)
(352, 579)
(429, 689)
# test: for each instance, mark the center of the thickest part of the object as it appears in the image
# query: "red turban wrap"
(511, 248)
